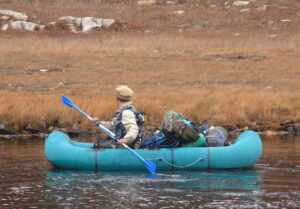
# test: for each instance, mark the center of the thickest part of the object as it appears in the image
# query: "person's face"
(118, 102)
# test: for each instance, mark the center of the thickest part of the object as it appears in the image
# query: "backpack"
(175, 123)
(160, 140)
(140, 118)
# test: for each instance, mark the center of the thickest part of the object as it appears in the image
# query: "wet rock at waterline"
(6, 131)
(293, 128)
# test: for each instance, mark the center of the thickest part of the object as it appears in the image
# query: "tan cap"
(123, 92)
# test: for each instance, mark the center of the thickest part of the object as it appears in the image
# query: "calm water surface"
(27, 180)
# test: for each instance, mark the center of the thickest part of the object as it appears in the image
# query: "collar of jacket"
(123, 106)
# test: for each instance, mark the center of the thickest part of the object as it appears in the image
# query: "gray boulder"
(77, 25)
(14, 15)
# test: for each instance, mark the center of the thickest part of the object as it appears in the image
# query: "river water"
(27, 180)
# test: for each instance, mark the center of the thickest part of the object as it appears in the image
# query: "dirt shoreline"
(290, 129)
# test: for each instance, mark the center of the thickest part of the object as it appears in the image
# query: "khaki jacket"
(129, 122)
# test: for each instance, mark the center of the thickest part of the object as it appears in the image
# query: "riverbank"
(288, 129)
(214, 64)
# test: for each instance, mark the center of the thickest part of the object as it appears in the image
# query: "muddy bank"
(288, 127)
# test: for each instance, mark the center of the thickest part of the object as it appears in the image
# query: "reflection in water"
(27, 180)
(137, 189)
(204, 180)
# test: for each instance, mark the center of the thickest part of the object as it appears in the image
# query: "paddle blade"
(150, 166)
(66, 101)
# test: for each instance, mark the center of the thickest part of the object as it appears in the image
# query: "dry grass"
(205, 72)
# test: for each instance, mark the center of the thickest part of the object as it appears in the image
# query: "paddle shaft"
(103, 128)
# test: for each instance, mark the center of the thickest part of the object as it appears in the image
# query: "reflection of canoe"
(242, 180)
(63, 152)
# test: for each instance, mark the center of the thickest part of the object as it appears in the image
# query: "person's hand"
(95, 120)
(123, 141)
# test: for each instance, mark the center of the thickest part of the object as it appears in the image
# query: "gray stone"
(7, 131)
(286, 122)
(2, 126)
(296, 127)
(14, 15)
(23, 25)
(30, 129)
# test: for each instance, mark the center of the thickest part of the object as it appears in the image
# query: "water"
(27, 180)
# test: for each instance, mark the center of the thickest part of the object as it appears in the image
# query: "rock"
(286, 122)
(46, 70)
(178, 12)
(245, 10)
(263, 8)
(240, 3)
(7, 131)
(270, 133)
(272, 35)
(76, 25)
(170, 2)
(73, 132)
(64, 130)
(30, 129)
(42, 135)
(4, 27)
(23, 25)
(14, 15)
(146, 2)
(4, 18)
(294, 129)
(89, 23)
(219, 57)
(291, 127)
(18, 21)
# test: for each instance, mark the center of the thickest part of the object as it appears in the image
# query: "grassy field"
(214, 63)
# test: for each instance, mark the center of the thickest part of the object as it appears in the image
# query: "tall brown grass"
(209, 74)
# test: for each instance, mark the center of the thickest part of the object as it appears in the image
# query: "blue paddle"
(147, 163)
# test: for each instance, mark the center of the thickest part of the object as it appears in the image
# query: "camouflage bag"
(174, 123)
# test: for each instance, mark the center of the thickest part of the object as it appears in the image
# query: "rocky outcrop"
(17, 21)
(14, 15)
(76, 25)
(27, 26)
(10, 20)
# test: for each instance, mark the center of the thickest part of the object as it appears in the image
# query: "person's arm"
(107, 124)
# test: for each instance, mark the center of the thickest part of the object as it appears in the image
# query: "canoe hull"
(64, 152)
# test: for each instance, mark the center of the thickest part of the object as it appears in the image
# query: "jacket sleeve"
(107, 124)
(129, 122)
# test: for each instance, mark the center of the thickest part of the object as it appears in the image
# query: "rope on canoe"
(177, 166)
